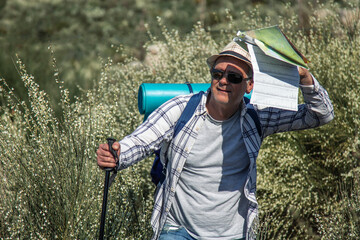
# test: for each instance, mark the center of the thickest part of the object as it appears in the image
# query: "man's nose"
(223, 79)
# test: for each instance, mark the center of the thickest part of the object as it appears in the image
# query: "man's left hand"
(305, 76)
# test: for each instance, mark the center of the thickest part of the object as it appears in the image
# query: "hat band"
(235, 54)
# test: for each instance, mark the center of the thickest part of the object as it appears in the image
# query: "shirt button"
(178, 169)
(167, 209)
(173, 189)
(187, 150)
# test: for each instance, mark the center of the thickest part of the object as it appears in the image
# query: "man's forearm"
(318, 101)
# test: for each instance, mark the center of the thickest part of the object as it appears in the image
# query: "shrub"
(300, 172)
(51, 184)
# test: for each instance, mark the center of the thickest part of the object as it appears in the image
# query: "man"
(210, 185)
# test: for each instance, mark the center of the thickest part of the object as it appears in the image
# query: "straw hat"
(233, 50)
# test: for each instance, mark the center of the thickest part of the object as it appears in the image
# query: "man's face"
(225, 93)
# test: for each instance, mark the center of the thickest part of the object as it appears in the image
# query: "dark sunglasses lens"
(217, 75)
(231, 77)
(234, 78)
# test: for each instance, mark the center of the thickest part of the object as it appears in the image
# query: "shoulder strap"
(254, 116)
(184, 118)
(188, 112)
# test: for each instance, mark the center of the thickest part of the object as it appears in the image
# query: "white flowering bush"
(308, 181)
(312, 173)
(51, 184)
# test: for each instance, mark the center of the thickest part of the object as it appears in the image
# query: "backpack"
(158, 171)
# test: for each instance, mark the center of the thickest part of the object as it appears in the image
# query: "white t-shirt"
(209, 199)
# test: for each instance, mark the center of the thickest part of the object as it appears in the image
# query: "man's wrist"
(310, 89)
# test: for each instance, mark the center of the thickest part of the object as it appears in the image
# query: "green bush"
(52, 187)
(300, 172)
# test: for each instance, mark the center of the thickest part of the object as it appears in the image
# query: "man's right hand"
(104, 157)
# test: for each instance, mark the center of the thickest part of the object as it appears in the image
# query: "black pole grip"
(110, 142)
(113, 152)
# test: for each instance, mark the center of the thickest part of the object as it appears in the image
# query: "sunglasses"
(232, 77)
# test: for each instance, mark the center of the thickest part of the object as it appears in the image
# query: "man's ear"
(249, 85)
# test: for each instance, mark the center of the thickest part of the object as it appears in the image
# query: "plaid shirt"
(157, 132)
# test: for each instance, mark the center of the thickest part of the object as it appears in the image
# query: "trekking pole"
(107, 184)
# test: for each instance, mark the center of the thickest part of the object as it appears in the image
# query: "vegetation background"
(70, 71)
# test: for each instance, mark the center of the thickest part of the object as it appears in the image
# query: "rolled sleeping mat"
(152, 95)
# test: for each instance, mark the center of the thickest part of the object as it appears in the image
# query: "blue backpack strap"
(158, 170)
(188, 112)
(254, 116)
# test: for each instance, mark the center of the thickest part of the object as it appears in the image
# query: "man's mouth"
(223, 90)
